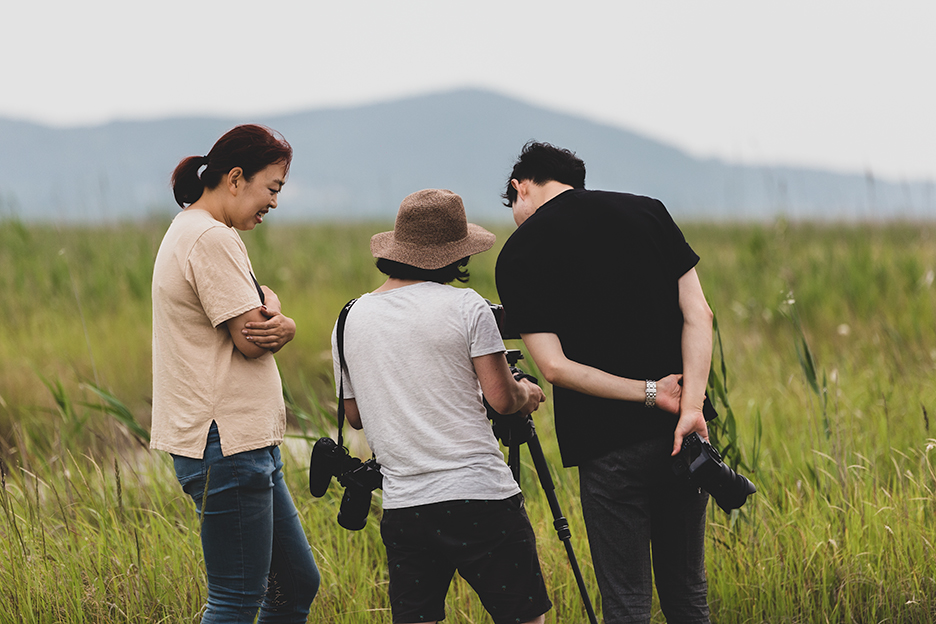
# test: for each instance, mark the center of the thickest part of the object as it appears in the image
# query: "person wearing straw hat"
(419, 355)
(602, 288)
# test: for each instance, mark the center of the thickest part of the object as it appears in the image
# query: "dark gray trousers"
(632, 502)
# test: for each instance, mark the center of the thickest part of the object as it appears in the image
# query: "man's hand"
(689, 422)
(273, 333)
(669, 393)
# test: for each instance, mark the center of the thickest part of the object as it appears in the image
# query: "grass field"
(828, 337)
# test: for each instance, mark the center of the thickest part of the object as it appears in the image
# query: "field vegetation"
(823, 373)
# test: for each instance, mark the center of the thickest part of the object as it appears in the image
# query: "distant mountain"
(359, 162)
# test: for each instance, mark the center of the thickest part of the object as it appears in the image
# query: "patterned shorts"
(489, 542)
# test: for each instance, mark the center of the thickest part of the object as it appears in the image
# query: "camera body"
(500, 315)
(359, 479)
(702, 465)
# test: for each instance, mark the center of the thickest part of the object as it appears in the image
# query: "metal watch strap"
(650, 401)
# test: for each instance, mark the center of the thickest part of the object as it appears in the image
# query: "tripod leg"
(559, 521)
(513, 461)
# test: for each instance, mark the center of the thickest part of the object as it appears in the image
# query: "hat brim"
(430, 257)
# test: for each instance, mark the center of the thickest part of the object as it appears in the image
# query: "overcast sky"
(841, 84)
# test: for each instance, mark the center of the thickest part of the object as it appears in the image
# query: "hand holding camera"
(702, 465)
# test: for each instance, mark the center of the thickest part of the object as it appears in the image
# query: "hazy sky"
(842, 84)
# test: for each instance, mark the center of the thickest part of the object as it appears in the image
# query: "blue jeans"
(632, 502)
(256, 554)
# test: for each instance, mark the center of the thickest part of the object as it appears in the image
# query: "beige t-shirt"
(202, 278)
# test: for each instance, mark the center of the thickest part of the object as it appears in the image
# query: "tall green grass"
(828, 341)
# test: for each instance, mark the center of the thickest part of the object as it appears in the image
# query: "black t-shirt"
(600, 270)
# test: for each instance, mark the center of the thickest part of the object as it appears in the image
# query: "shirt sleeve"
(483, 334)
(522, 275)
(219, 271)
(682, 257)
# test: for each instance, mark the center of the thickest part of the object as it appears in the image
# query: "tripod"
(515, 430)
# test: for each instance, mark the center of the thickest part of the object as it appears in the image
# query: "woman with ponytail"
(217, 398)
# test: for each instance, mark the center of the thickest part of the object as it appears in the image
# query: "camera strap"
(259, 290)
(339, 339)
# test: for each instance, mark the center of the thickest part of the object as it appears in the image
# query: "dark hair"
(250, 147)
(450, 273)
(542, 162)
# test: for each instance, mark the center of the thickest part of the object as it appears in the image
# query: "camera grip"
(325, 455)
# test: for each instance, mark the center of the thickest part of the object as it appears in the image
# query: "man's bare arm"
(546, 350)
(696, 354)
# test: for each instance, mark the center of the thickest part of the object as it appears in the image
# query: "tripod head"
(514, 356)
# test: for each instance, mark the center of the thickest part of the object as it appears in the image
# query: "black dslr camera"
(702, 465)
(358, 478)
(500, 315)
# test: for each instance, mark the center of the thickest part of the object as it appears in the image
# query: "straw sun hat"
(431, 231)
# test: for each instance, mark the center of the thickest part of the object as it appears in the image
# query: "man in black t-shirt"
(602, 287)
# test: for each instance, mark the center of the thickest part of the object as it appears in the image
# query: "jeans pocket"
(255, 469)
(191, 475)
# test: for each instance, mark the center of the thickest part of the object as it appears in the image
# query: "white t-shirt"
(201, 279)
(409, 354)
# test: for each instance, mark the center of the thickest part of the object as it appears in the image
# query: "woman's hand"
(273, 333)
(271, 300)
(535, 396)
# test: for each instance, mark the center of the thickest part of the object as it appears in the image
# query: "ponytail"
(187, 186)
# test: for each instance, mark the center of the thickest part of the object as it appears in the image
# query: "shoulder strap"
(259, 290)
(339, 338)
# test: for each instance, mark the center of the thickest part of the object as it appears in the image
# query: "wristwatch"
(651, 394)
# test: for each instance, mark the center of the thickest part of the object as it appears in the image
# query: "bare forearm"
(241, 342)
(697, 359)
(696, 342)
(520, 399)
(592, 381)
(558, 370)
(502, 392)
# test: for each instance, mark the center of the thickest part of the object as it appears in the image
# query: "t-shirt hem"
(430, 500)
(482, 352)
(174, 450)
(252, 446)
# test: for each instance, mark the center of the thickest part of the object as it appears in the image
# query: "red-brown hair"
(250, 147)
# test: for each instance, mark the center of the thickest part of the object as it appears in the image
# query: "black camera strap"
(339, 338)
(259, 290)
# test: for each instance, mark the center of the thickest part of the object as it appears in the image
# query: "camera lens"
(703, 465)
(732, 489)
(355, 505)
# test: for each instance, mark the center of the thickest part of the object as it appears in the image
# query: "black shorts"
(490, 543)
